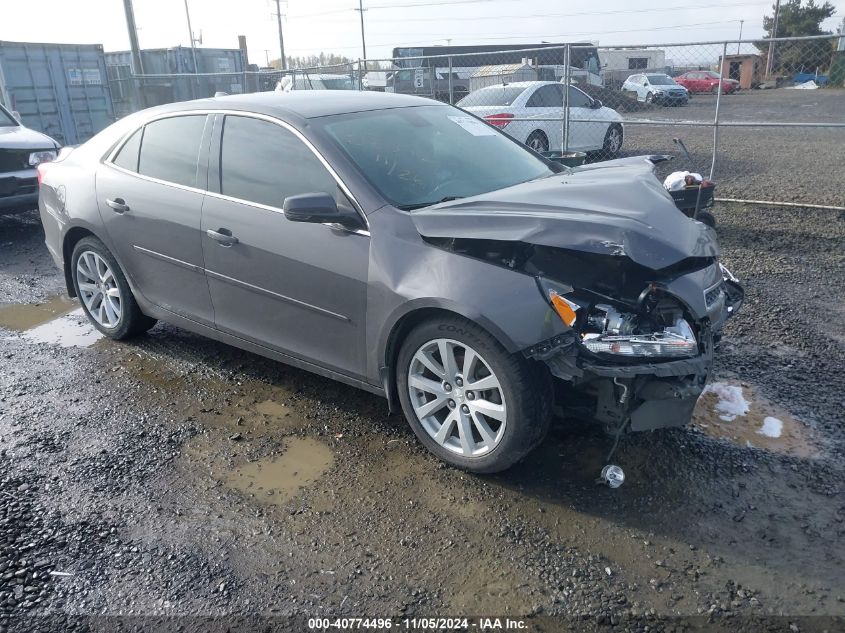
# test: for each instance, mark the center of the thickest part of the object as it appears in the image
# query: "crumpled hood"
(618, 208)
(18, 137)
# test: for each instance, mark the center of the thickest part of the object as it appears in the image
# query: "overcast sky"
(311, 26)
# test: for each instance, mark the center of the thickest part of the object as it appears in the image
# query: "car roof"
(522, 84)
(307, 104)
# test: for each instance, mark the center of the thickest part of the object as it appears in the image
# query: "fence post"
(718, 102)
(360, 75)
(451, 100)
(567, 71)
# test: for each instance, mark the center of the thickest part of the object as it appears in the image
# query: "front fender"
(421, 276)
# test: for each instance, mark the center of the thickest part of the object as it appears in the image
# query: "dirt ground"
(176, 476)
(754, 163)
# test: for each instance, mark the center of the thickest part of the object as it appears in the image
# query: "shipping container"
(59, 89)
(221, 70)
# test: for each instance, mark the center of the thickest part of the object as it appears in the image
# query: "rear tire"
(436, 397)
(104, 292)
(613, 139)
(538, 142)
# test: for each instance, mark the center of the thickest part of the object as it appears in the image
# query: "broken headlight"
(609, 331)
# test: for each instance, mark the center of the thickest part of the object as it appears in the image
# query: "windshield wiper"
(411, 207)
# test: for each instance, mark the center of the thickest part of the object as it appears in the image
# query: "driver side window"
(264, 163)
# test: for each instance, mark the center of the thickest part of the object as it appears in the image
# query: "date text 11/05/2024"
(418, 624)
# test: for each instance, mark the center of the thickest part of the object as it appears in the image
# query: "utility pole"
(191, 37)
(841, 46)
(741, 22)
(137, 66)
(770, 61)
(361, 10)
(281, 37)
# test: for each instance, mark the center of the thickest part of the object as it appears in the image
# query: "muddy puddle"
(738, 412)
(277, 479)
(25, 316)
(59, 321)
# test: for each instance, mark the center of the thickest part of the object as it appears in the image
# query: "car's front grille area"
(14, 159)
(713, 294)
(17, 186)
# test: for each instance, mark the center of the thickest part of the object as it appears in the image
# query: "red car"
(706, 81)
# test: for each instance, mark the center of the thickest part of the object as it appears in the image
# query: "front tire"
(469, 401)
(104, 292)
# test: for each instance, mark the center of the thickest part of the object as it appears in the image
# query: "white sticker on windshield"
(473, 126)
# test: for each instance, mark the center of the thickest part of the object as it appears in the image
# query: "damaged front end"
(637, 286)
(643, 363)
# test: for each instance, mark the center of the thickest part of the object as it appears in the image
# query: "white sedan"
(532, 112)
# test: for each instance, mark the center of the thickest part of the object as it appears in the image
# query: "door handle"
(223, 236)
(118, 205)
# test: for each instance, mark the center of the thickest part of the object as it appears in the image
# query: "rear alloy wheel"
(468, 401)
(649, 98)
(538, 142)
(613, 139)
(104, 292)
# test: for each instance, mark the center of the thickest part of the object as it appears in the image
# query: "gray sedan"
(402, 246)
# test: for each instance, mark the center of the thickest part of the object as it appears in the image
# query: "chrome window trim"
(108, 160)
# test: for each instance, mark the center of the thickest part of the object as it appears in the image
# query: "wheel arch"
(542, 133)
(71, 238)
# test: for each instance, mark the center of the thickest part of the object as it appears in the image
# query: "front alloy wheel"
(98, 289)
(457, 398)
(468, 400)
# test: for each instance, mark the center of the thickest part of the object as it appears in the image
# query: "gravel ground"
(175, 476)
(778, 164)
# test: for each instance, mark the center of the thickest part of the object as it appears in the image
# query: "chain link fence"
(764, 119)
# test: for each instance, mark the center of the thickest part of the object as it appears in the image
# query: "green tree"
(797, 19)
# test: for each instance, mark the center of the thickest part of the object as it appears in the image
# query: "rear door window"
(170, 149)
(550, 96)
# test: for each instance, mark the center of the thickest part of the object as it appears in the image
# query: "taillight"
(499, 120)
(40, 172)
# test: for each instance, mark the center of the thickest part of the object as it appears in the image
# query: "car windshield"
(491, 96)
(419, 156)
(660, 80)
(6, 118)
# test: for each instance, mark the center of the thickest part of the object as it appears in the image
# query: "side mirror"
(596, 104)
(17, 116)
(319, 208)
